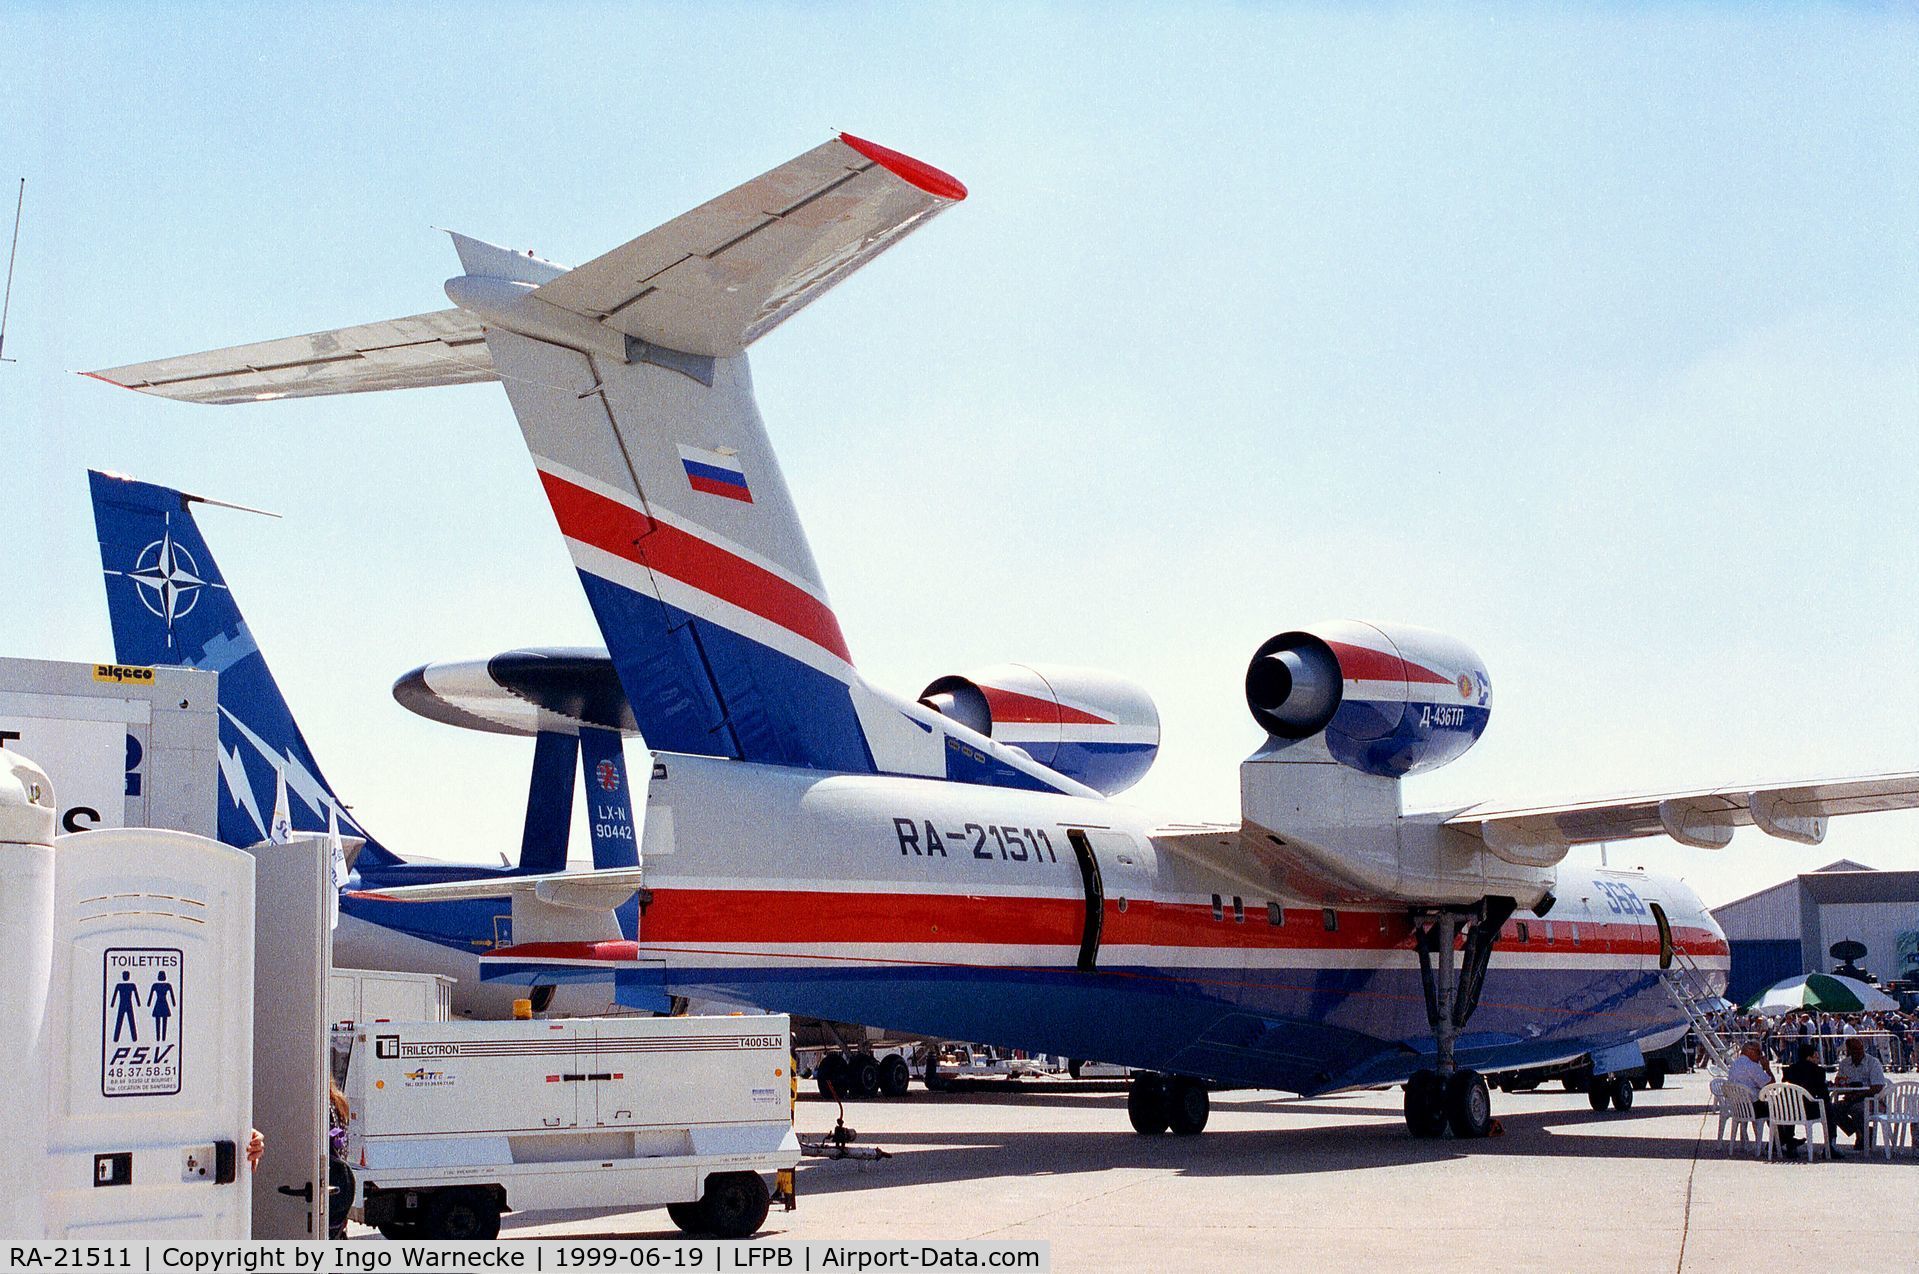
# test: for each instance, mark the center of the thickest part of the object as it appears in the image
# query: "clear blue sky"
(1588, 335)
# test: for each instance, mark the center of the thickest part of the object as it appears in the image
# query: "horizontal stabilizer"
(583, 890)
(565, 907)
(714, 280)
(445, 347)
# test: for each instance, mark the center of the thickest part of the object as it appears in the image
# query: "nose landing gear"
(1448, 1096)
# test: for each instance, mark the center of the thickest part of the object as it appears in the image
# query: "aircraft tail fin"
(170, 606)
(630, 380)
(660, 473)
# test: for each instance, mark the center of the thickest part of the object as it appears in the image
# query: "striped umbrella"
(1826, 991)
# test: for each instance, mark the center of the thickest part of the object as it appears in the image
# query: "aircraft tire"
(462, 1214)
(863, 1076)
(1622, 1094)
(935, 1081)
(1655, 1078)
(894, 1077)
(1469, 1107)
(1146, 1105)
(735, 1203)
(831, 1076)
(1599, 1093)
(1187, 1106)
(688, 1217)
(1425, 1104)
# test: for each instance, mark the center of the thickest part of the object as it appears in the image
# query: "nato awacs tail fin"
(170, 606)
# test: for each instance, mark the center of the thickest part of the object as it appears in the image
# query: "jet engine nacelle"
(1089, 725)
(1391, 700)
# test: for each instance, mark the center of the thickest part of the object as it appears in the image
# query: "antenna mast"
(14, 251)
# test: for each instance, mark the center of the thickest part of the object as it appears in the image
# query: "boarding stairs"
(1686, 984)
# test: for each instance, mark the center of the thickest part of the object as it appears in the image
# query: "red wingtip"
(908, 169)
(103, 380)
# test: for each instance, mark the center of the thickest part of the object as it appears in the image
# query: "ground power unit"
(454, 1123)
(379, 995)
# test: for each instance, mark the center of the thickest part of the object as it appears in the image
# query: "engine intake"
(1293, 686)
(1089, 725)
(1391, 700)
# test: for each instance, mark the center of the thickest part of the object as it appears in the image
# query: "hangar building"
(1789, 928)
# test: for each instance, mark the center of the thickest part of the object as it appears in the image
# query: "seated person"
(1808, 1074)
(1862, 1076)
(1750, 1070)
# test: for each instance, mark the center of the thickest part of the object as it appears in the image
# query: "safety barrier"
(1894, 1051)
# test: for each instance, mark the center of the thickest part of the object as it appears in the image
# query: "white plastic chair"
(1790, 1106)
(1894, 1116)
(1737, 1119)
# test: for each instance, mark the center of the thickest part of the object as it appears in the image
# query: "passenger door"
(1665, 934)
(1118, 874)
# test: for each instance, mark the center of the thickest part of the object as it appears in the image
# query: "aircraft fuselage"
(962, 911)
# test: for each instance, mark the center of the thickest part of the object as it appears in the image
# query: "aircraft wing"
(1539, 835)
(1228, 849)
(445, 347)
(577, 890)
(714, 280)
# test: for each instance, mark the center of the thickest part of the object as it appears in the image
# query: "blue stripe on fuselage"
(1300, 1030)
(701, 688)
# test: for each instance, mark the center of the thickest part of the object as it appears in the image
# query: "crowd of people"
(1890, 1035)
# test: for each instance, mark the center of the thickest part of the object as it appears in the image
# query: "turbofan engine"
(1089, 725)
(1391, 700)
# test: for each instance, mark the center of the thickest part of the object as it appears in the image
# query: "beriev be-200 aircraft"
(954, 864)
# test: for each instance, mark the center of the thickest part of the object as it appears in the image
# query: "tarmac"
(1335, 1181)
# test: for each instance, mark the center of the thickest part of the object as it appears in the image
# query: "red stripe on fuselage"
(625, 532)
(800, 917)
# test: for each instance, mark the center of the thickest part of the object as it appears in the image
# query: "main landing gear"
(1449, 1096)
(1156, 1103)
(844, 1075)
(1610, 1090)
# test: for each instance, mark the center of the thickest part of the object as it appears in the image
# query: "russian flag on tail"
(715, 473)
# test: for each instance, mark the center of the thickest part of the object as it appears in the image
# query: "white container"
(454, 1122)
(149, 1038)
(378, 995)
(26, 918)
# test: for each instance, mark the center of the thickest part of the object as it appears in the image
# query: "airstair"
(1686, 984)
